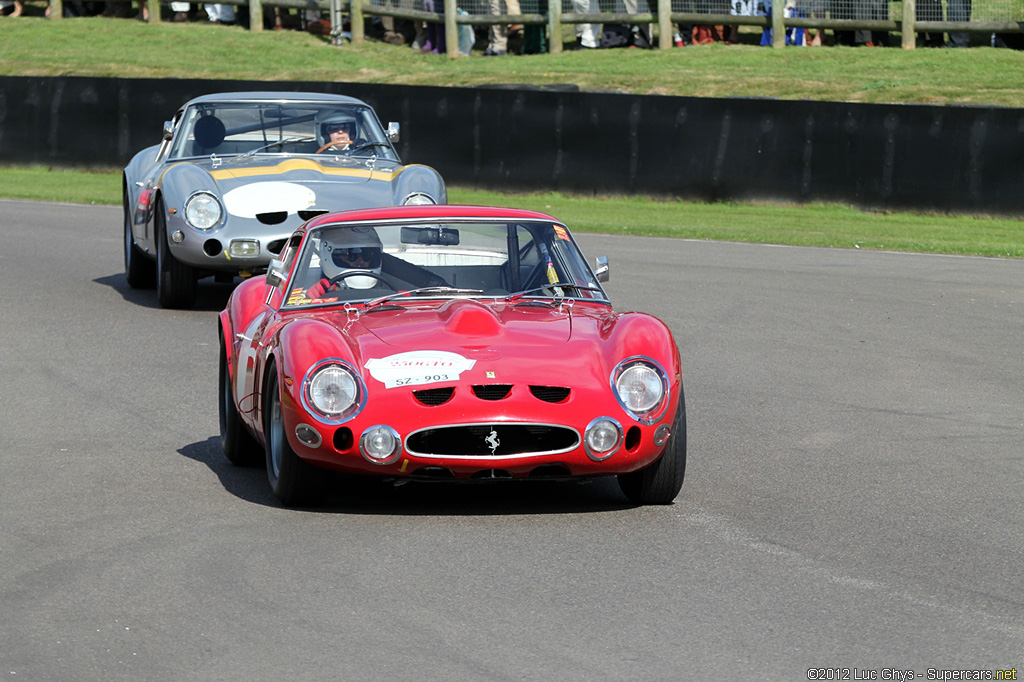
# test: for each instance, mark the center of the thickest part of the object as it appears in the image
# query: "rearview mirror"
(168, 130)
(430, 236)
(603, 270)
(394, 131)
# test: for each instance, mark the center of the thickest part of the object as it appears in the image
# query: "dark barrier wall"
(945, 158)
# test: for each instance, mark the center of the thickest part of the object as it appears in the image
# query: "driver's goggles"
(345, 257)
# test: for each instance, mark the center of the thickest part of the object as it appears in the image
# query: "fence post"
(56, 9)
(778, 23)
(665, 24)
(451, 29)
(255, 15)
(555, 26)
(154, 11)
(355, 15)
(907, 25)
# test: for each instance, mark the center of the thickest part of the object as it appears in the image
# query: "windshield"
(232, 128)
(386, 262)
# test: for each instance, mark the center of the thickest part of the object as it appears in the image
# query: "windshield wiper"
(557, 285)
(367, 145)
(287, 140)
(423, 291)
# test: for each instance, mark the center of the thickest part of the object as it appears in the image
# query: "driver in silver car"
(335, 131)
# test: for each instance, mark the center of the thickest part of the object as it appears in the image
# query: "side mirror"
(602, 271)
(394, 132)
(168, 130)
(276, 273)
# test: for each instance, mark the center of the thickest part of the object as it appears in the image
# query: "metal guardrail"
(665, 19)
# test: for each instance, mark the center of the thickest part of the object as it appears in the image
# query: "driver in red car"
(343, 256)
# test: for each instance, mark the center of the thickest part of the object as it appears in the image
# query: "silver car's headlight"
(203, 211)
(641, 387)
(418, 199)
(332, 390)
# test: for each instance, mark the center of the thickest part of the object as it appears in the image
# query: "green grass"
(828, 225)
(127, 48)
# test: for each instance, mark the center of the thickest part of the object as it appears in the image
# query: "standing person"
(588, 36)
(958, 10)
(497, 34)
(435, 36)
(929, 10)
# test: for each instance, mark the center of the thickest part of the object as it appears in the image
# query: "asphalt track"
(853, 494)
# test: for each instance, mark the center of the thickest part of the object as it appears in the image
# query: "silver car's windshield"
(225, 129)
(385, 263)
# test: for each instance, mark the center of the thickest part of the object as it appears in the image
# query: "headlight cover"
(641, 387)
(332, 391)
(203, 211)
(418, 199)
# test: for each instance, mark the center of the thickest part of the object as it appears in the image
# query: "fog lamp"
(380, 444)
(177, 236)
(603, 437)
(244, 248)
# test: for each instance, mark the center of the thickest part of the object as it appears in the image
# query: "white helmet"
(351, 248)
(325, 119)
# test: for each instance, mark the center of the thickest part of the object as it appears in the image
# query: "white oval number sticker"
(418, 367)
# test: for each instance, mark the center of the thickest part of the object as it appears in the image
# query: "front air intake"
(492, 391)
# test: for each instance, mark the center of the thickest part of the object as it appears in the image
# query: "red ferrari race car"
(446, 342)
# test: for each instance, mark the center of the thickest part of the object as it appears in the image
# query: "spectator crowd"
(503, 39)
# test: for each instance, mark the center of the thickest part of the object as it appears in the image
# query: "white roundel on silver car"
(248, 201)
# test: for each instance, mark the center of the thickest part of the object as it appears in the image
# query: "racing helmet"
(327, 120)
(351, 248)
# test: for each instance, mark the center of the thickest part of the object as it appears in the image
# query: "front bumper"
(241, 244)
(520, 437)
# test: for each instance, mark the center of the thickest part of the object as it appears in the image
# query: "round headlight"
(640, 388)
(202, 211)
(380, 444)
(602, 438)
(332, 391)
(418, 199)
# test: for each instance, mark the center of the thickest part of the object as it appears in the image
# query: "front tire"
(660, 482)
(176, 281)
(138, 270)
(239, 446)
(295, 482)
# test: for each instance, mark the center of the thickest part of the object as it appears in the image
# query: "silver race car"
(236, 173)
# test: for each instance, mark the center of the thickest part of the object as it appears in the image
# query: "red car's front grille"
(492, 440)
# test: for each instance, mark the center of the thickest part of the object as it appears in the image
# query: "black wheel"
(175, 281)
(239, 446)
(138, 270)
(295, 482)
(661, 481)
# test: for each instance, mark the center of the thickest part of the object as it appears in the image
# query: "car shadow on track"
(365, 495)
(210, 295)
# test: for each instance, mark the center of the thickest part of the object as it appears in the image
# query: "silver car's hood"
(252, 186)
